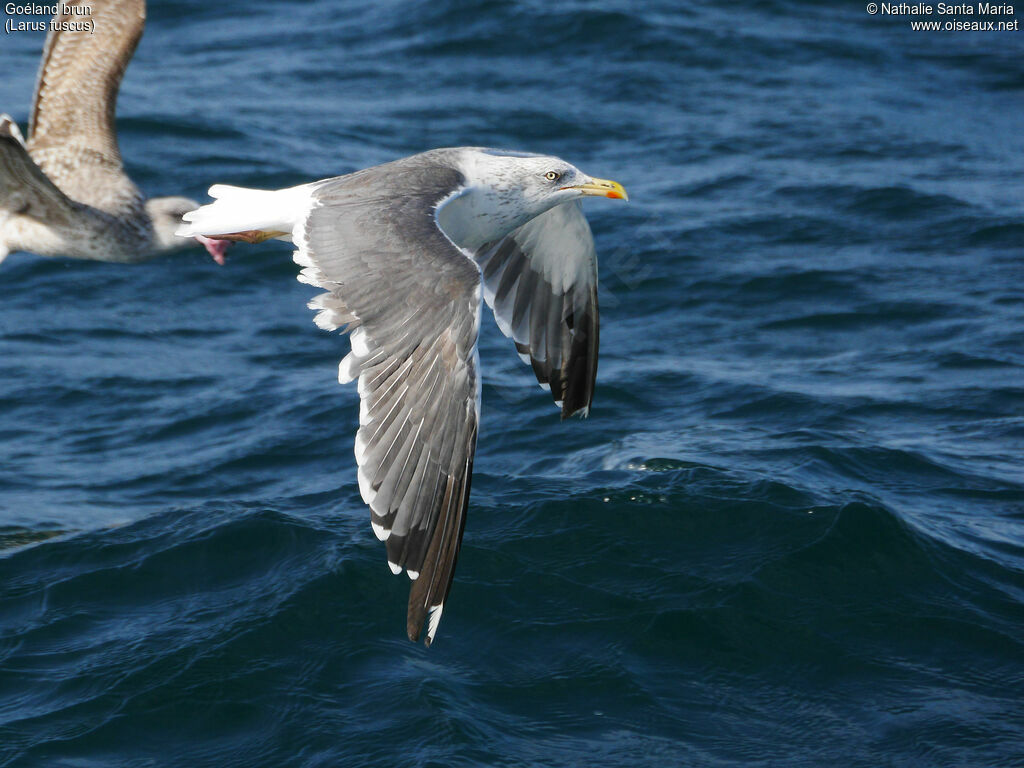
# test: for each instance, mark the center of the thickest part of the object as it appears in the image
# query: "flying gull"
(65, 192)
(405, 252)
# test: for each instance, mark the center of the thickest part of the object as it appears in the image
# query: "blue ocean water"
(791, 532)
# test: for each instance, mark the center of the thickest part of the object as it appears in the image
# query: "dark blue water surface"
(791, 532)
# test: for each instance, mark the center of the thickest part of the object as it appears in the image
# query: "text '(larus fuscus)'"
(64, 192)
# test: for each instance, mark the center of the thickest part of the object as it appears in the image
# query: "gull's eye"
(552, 175)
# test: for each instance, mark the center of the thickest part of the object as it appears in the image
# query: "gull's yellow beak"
(602, 188)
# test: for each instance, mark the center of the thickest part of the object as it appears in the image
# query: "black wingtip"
(580, 375)
(413, 630)
(429, 591)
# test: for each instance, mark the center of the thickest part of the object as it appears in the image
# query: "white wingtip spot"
(433, 619)
(360, 447)
(325, 320)
(365, 488)
(380, 531)
(413, 575)
(348, 369)
(359, 346)
(395, 567)
(312, 277)
(303, 259)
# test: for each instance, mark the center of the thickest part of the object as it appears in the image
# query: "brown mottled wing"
(411, 301)
(24, 188)
(541, 282)
(72, 134)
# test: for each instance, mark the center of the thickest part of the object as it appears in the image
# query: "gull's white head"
(504, 190)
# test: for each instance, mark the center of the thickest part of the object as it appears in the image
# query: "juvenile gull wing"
(411, 301)
(24, 188)
(541, 282)
(72, 134)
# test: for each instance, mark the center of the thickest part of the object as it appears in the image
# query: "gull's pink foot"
(216, 248)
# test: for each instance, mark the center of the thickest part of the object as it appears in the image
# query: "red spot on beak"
(216, 248)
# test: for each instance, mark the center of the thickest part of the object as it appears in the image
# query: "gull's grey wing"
(411, 301)
(541, 282)
(72, 135)
(24, 188)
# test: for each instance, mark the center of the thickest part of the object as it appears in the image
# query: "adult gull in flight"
(407, 252)
(64, 192)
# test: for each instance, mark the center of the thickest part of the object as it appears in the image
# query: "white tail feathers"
(237, 209)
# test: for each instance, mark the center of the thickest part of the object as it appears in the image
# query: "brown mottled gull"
(407, 252)
(64, 192)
